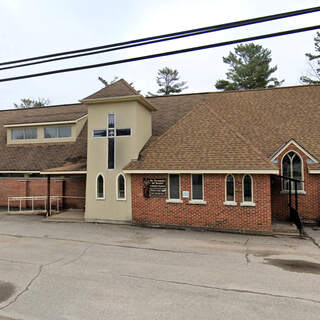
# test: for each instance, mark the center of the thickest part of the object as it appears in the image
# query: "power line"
(162, 54)
(154, 39)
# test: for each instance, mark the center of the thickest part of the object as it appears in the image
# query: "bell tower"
(119, 125)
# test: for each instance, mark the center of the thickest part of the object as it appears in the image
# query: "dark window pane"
(123, 132)
(100, 187)
(111, 153)
(17, 134)
(121, 187)
(50, 132)
(297, 172)
(247, 189)
(111, 133)
(174, 186)
(99, 133)
(111, 119)
(230, 188)
(31, 133)
(197, 187)
(64, 132)
(286, 171)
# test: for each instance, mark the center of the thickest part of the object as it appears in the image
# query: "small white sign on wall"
(185, 194)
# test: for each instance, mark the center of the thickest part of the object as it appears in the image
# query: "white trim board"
(269, 171)
(296, 144)
(62, 172)
(314, 171)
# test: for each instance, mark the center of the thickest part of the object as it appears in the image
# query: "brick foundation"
(72, 186)
(214, 214)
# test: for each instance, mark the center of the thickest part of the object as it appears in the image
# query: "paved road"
(94, 271)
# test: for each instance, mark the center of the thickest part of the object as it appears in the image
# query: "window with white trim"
(230, 188)
(247, 188)
(57, 132)
(292, 168)
(121, 183)
(100, 187)
(174, 186)
(197, 186)
(24, 134)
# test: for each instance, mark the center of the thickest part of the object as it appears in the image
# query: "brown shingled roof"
(262, 119)
(119, 88)
(201, 140)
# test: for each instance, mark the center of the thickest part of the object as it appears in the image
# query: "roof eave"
(217, 171)
(138, 98)
(32, 124)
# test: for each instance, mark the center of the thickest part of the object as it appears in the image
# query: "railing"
(24, 208)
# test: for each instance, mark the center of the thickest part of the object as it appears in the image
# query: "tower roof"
(120, 88)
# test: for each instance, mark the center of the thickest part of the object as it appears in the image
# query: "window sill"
(247, 204)
(292, 192)
(100, 199)
(197, 202)
(119, 199)
(174, 201)
(230, 203)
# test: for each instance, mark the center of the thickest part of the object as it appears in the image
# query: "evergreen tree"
(31, 103)
(249, 69)
(314, 63)
(107, 83)
(167, 80)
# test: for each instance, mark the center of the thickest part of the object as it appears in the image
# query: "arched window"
(230, 188)
(247, 188)
(100, 187)
(292, 168)
(121, 186)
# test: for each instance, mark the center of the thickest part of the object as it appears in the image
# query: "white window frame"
(103, 186)
(302, 191)
(125, 187)
(197, 201)
(247, 203)
(172, 200)
(228, 202)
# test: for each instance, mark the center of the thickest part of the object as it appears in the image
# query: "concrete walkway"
(66, 216)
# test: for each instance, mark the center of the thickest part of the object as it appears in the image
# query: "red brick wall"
(214, 214)
(308, 203)
(21, 187)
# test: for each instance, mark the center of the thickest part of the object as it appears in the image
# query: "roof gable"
(120, 88)
(295, 143)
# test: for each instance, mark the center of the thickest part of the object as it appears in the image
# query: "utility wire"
(162, 54)
(154, 39)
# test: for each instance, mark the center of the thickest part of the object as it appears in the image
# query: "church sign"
(154, 188)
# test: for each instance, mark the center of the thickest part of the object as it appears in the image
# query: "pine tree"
(32, 103)
(249, 69)
(314, 63)
(167, 80)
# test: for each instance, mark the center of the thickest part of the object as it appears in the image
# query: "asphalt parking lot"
(101, 271)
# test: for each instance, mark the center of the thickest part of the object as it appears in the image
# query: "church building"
(233, 160)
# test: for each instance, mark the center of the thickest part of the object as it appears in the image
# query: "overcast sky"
(37, 27)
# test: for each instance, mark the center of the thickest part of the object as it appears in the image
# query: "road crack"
(29, 284)
(242, 291)
(313, 240)
(83, 252)
(106, 244)
(247, 252)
